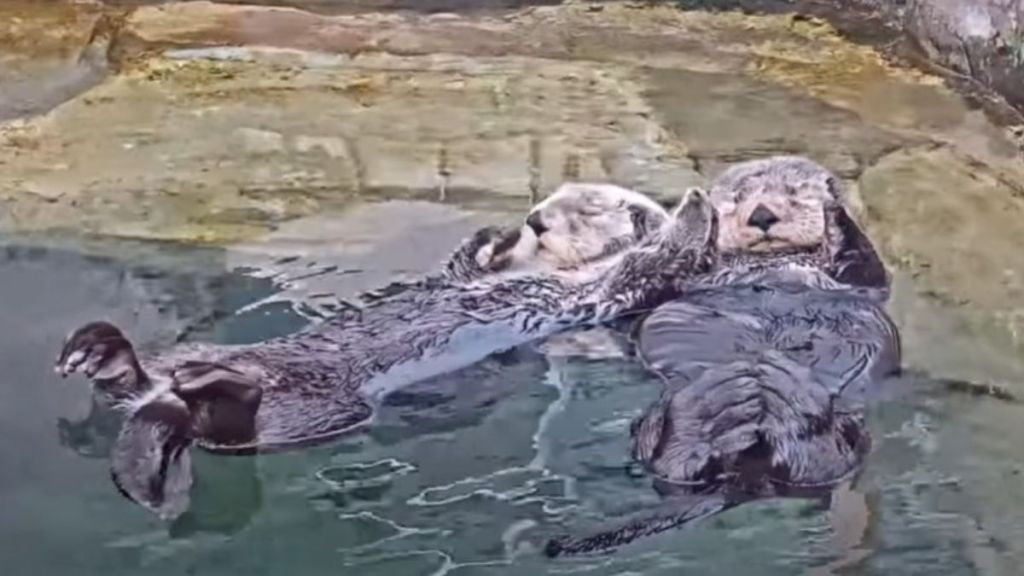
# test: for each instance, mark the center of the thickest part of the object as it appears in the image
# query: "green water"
(465, 474)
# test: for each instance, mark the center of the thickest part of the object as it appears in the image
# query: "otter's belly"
(845, 338)
(466, 345)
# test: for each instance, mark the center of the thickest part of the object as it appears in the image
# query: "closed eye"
(592, 211)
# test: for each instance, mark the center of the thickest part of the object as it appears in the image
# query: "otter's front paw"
(493, 247)
(488, 250)
(101, 352)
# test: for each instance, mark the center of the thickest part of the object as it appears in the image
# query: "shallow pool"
(465, 474)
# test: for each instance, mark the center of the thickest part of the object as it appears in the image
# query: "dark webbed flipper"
(150, 462)
(305, 404)
(222, 403)
(208, 403)
(854, 260)
(101, 352)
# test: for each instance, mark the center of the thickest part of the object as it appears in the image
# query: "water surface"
(464, 474)
(469, 473)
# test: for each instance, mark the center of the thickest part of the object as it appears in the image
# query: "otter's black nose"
(534, 221)
(762, 218)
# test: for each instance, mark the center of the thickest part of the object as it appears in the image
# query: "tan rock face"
(268, 140)
(953, 221)
(225, 122)
(50, 53)
(218, 139)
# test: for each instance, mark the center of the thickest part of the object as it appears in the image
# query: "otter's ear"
(150, 461)
(853, 258)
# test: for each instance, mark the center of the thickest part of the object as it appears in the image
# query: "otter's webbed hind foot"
(101, 352)
(207, 403)
(150, 462)
(222, 404)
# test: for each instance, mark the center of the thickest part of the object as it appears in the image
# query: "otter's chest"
(844, 337)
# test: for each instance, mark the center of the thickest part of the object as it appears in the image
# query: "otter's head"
(774, 205)
(581, 223)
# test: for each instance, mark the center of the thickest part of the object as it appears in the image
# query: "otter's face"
(580, 223)
(773, 204)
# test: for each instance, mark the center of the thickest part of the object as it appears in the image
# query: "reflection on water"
(463, 474)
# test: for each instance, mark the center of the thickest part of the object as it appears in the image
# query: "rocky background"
(229, 123)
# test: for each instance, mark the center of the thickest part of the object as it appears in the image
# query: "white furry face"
(773, 204)
(581, 223)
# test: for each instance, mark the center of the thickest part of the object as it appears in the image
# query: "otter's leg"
(102, 352)
(223, 404)
(150, 462)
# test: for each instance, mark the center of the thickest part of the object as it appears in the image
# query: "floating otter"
(766, 360)
(323, 381)
(575, 233)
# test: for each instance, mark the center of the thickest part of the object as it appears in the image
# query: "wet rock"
(977, 45)
(215, 147)
(726, 119)
(982, 39)
(955, 224)
(50, 53)
(227, 121)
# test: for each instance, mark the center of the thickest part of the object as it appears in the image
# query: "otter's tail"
(685, 511)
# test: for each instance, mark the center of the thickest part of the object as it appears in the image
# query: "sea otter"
(575, 233)
(323, 381)
(766, 360)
